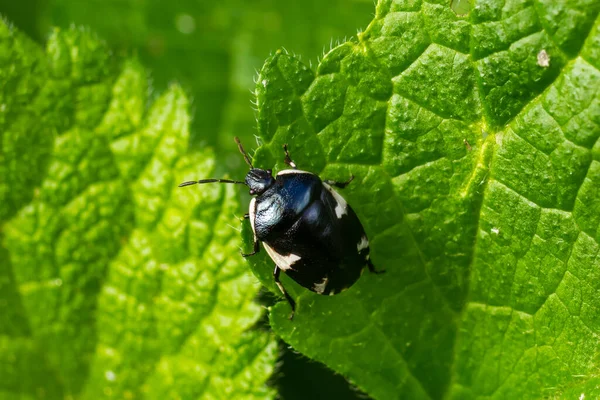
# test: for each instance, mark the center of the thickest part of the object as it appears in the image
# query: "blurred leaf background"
(213, 50)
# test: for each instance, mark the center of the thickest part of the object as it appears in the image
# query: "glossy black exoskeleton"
(306, 227)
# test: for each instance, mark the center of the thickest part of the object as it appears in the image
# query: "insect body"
(306, 227)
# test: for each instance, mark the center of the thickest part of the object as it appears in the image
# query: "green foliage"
(213, 48)
(472, 129)
(474, 139)
(114, 282)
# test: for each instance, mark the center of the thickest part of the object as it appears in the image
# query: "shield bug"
(306, 227)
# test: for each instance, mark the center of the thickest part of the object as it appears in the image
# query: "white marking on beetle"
(284, 262)
(320, 287)
(293, 171)
(341, 207)
(363, 244)
(252, 212)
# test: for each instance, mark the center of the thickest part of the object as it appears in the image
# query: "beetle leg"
(340, 185)
(288, 159)
(289, 299)
(372, 268)
(246, 216)
(255, 249)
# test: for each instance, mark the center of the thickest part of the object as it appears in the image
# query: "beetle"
(306, 227)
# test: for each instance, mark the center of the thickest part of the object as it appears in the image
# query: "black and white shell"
(310, 232)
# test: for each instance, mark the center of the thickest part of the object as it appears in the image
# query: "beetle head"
(259, 180)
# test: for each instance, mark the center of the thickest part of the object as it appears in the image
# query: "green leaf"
(114, 282)
(474, 139)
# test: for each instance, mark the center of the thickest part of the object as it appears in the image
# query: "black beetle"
(306, 227)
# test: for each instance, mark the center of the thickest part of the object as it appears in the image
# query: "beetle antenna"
(241, 149)
(188, 183)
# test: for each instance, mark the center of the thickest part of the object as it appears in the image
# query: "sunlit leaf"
(115, 283)
(474, 142)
